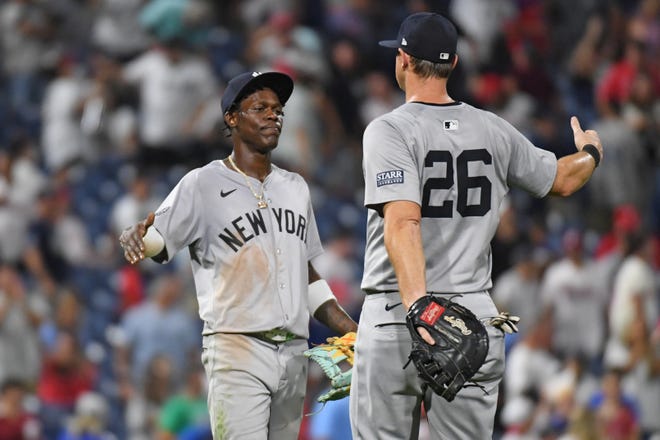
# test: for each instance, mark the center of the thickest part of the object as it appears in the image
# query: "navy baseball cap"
(246, 83)
(427, 36)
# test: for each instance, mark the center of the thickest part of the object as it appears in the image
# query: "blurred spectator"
(65, 375)
(283, 39)
(581, 426)
(567, 390)
(117, 29)
(23, 174)
(174, 86)
(345, 86)
(617, 81)
(641, 112)
(611, 247)
(135, 204)
(162, 326)
(20, 315)
(616, 417)
(576, 306)
(59, 240)
(507, 237)
(185, 21)
(62, 140)
(144, 404)
(89, 420)
(185, 415)
(381, 96)
(16, 423)
(517, 290)
(481, 21)
(626, 174)
(584, 61)
(500, 94)
(530, 362)
(68, 316)
(633, 310)
(21, 181)
(300, 145)
(26, 30)
(518, 416)
(108, 120)
(633, 318)
(527, 40)
(625, 220)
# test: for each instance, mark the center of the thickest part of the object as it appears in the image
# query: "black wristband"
(593, 151)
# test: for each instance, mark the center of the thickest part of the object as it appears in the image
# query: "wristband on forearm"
(154, 243)
(319, 293)
(593, 152)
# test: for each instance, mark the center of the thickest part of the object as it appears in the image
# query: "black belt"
(374, 291)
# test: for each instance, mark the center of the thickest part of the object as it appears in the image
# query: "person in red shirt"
(625, 220)
(617, 82)
(15, 422)
(65, 375)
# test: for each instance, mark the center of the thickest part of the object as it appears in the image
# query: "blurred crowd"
(105, 104)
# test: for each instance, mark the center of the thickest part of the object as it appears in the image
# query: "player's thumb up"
(575, 125)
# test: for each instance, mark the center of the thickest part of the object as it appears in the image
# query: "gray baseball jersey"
(457, 163)
(249, 264)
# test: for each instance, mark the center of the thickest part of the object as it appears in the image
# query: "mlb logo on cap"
(427, 36)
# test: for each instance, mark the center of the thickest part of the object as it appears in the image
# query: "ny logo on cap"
(404, 42)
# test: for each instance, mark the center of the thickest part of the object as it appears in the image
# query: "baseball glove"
(461, 344)
(336, 360)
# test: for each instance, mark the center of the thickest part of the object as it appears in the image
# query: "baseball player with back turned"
(436, 171)
(251, 233)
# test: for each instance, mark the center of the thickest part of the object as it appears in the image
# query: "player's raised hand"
(583, 137)
(131, 239)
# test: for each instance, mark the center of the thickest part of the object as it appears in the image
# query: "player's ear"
(403, 58)
(230, 119)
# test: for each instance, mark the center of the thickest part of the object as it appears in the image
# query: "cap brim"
(394, 44)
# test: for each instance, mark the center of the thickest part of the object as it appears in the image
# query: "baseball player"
(251, 233)
(436, 171)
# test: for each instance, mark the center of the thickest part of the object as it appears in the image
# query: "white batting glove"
(505, 322)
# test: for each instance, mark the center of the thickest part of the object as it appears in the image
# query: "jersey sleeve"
(177, 218)
(390, 170)
(530, 168)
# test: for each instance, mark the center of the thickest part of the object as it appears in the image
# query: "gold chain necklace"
(261, 203)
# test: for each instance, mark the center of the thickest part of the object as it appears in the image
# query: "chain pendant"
(261, 204)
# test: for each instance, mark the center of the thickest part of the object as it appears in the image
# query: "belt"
(274, 336)
(375, 292)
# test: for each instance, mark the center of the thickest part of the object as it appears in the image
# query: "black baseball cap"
(245, 83)
(427, 36)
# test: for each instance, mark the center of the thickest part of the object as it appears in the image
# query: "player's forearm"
(331, 314)
(573, 172)
(403, 241)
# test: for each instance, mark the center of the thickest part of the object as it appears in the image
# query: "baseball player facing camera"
(251, 234)
(436, 171)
